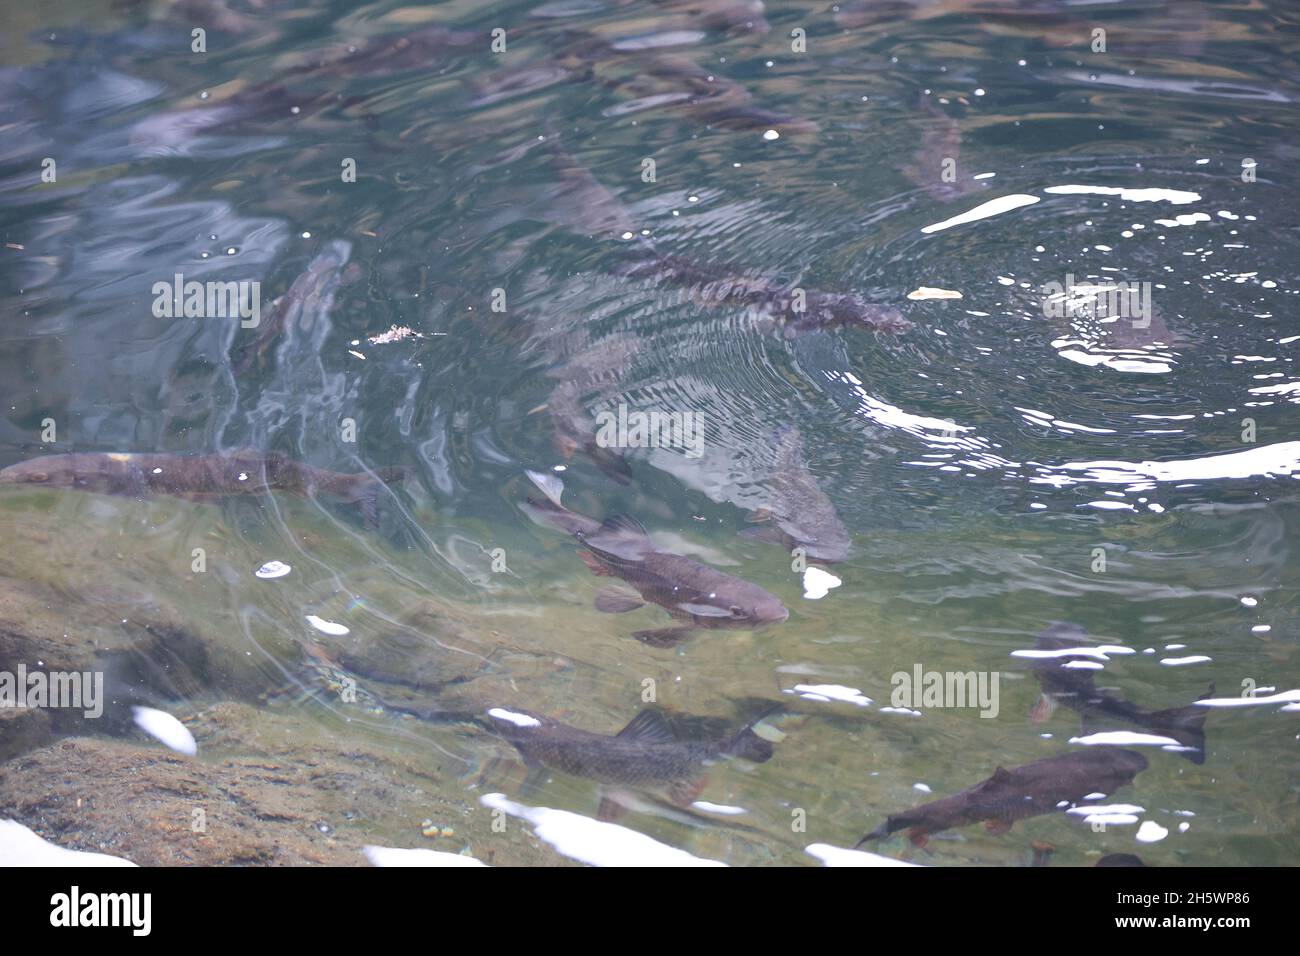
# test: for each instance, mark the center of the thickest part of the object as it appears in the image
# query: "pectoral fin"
(1043, 709)
(618, 601)
(683, 793)
(769, 534)
(610, 809)
(594, 565)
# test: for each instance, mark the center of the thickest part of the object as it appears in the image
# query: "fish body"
(195, 477)
(815, 309)
(1044, 786)
(1074, 686)
(801, 514)
(310, 295)
(645, 754)
(620, 547)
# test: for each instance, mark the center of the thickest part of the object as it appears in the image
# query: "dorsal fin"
(621, 535)
(649, 726)
(622, 524)
(1001, 775)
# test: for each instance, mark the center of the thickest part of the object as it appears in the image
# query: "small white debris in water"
(924, 293)
(1123, 738)
(326, 627)
(157, 471)
(1249, 602)
(771, 134)
(719, 808)
(1151, 832)
(306, 235)
(829, 692)
(818, 583)
(166, 728)
(1184, 827)
(1261, 628)
(273, 569)
(519, 720)
(243, 476)
(922, 787)
(1180, 661)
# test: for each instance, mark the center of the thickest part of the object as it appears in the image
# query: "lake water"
(474, 228)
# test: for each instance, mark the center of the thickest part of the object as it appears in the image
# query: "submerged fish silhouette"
(198, 477)
(1044, 786)
(621, 547)
(800, 513)
(646, 754)
(1063, 681)
(310, 296)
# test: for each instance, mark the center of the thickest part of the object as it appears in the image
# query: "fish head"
(46, 470)
(762, 608)
(852, 309)
(739, 604)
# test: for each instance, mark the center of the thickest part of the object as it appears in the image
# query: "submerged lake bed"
(650, 433)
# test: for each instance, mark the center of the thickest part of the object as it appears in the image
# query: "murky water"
(466, 253)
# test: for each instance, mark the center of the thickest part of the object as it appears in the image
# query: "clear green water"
(522, 171)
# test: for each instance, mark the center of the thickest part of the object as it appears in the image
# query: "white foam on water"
(1286, 697)
(994, 207)
(1176, 196)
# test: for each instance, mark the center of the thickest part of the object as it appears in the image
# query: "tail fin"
(753, 742)
(366, 496)
(878, 833)
(552, 512)
(549, 485)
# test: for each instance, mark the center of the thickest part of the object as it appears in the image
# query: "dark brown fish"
(581, 201)
(1064, 681)
(1044, 786)
(800, 514)
(817, 309)
(310, 296)
(593, 375)
(941, 140)
(646, 754)
(621, 547)
(198, 477)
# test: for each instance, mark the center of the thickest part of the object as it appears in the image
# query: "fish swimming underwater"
(621, 547)
(814, 309)
(1044, 786)
(800, 514)
(198, 477)
(646, 754)
(1063, 680)
(311, 295)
